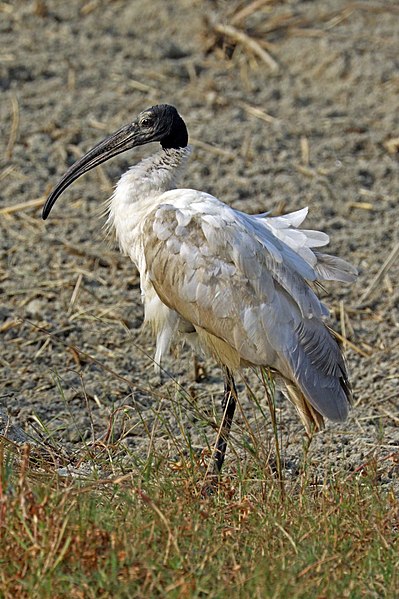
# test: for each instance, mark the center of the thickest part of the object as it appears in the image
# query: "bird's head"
(159, 123)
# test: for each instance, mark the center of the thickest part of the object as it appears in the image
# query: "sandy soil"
(318, 131)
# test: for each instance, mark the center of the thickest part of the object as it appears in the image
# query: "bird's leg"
(199, 370)
(229, 406)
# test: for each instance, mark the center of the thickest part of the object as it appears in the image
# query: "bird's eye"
(146, 121)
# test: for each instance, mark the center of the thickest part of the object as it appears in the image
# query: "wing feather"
(240, 279)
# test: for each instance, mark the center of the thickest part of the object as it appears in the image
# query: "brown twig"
(14, 127)
(239, 37)
(213, 149)
(348, 343)
(248, 10)
(257, 112)
(36, 203)
(381, 273)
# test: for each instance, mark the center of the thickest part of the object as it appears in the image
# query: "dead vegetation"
(152, 533)
(255, 27)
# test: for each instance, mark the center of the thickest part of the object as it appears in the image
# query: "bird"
(237, 287)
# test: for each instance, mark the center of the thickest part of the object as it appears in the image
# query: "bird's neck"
(158, 173)
(137, 193)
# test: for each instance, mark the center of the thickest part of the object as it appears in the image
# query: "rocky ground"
(311, 122)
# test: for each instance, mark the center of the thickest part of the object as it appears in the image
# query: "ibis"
(239, 287)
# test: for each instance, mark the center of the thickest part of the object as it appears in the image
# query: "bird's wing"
(228, 274)
(302, 241)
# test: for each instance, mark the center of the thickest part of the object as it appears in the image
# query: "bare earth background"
(319, 130)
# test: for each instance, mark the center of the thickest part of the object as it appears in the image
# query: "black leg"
(229, 406)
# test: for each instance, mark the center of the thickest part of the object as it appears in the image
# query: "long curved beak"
(127, 137)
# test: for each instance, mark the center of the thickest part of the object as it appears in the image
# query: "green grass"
(152, 533)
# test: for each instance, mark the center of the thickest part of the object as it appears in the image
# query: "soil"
(320, 130)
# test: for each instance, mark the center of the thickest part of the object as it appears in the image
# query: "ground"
(317, 126)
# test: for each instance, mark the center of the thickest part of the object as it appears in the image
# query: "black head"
(159, 123)
(166, 125)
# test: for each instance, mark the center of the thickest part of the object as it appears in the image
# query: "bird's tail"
(318, 374)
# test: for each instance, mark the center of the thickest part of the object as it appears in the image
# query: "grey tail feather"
(319, 371)
(332, 268)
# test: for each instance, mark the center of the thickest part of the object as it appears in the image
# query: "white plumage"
(237, 284)
(241, 278)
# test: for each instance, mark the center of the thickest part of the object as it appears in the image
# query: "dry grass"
(151, 532)
(251, 28)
